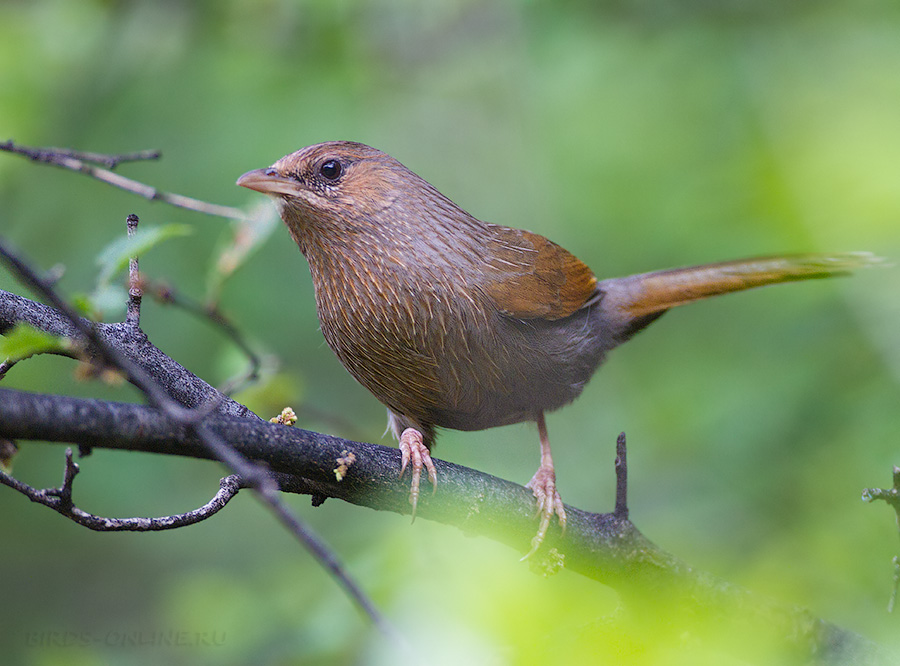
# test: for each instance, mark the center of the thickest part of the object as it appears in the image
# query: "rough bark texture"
(605, 547)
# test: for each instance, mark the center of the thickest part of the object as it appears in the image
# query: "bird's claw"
(413, 449)
(543, 485)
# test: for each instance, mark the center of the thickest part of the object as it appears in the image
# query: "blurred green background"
(640, 135)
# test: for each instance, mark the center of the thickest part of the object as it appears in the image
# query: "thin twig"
(65, 160)
(6, 366)
(133, 311)
(621, 510)
(109, 161)
(253, 474)
(167, 295)
(892, 497)
(60, 500)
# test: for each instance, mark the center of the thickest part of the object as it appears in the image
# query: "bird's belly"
(537, 365)
(468, 377)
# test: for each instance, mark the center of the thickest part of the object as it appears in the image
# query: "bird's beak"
(268, 181)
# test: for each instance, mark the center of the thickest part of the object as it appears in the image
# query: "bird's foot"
(413, 449)
(543, 485)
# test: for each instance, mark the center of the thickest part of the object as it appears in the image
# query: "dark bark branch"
(182, 385)
(60, 500)
(603, 547)
(191, 420)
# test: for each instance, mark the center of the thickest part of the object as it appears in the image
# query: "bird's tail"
(633, 302)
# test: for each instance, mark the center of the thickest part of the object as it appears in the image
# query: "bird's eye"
(331, 169)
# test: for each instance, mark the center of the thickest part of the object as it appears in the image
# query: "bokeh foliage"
(638, 134)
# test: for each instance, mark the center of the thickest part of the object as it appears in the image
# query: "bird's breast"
(431, 345)
(396, 331)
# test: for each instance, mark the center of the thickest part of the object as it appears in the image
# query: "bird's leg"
(412, 448)
(543, 485)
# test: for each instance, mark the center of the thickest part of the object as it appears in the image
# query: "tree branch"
(892, 497)
(607, 547)
(182, 385)
(79, 162)
(60, 500)
(51, 155)
(192, 421)
(603, 547)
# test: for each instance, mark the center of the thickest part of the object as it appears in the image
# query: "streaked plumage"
(456, 323)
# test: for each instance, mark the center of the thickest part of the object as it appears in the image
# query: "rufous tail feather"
(653, 293)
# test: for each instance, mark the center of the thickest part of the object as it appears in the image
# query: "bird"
(453, 322)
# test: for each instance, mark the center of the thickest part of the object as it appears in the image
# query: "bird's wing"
(531, 277)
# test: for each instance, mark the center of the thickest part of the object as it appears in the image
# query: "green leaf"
(82, 304)
(114, 257)
(23, 340)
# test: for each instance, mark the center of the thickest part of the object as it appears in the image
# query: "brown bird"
(452, 322)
